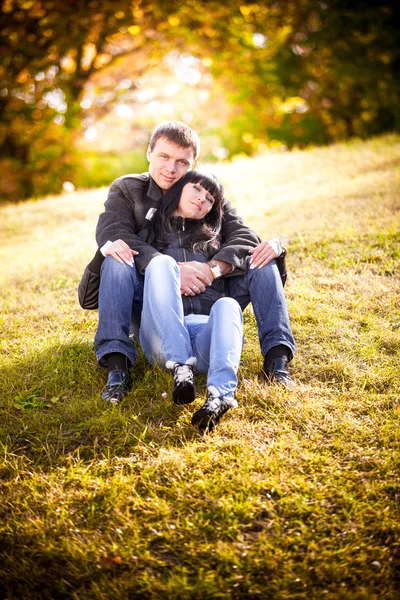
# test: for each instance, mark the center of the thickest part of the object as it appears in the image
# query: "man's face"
(168, 163)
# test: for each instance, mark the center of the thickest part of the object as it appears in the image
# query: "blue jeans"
(121, 297)
(120, 305)
(264, 289)
(166, 334)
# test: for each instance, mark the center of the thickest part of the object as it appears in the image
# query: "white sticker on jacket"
(150, 213)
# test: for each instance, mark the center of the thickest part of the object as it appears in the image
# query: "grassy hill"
(296, 494)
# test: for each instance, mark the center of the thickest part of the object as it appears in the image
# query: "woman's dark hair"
(203, 234)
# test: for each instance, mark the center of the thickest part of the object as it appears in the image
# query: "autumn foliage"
(289, 73)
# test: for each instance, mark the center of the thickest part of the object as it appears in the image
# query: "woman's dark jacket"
(179, 247)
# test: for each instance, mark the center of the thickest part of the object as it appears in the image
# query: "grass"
(100, 168)
(296, 495)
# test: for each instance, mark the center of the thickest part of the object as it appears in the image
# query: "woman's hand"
(120, 251)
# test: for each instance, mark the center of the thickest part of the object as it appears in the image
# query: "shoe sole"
(113, 401)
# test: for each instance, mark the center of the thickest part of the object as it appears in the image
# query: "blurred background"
(83, 83)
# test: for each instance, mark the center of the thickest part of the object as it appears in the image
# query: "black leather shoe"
(118, 385)
(278, 372)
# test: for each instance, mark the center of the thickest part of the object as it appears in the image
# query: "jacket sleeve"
(237, 238)
(118, 222)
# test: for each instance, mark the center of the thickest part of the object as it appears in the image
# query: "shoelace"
(214, 402)
(183, 373)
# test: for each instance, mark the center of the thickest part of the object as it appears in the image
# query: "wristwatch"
(215, 270)
(281, 248)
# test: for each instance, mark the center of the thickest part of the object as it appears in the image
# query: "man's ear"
(148, 153)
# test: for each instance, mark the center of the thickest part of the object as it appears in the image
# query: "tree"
(50, 49)
(320, 72)
(293, 71)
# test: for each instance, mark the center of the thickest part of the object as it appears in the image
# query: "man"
(117, 290)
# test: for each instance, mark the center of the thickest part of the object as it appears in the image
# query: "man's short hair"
(177, 133)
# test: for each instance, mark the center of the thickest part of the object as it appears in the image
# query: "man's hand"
(195, 276)
(265, 252)
(120, 251)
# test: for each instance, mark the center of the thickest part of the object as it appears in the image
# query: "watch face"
(216, 271)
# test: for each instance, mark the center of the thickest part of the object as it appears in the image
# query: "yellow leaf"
(174, 21)
(23, 76)
(245, 10)
(247, 138)
(68, 64)
(134, 29)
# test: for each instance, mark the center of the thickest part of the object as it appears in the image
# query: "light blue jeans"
(166, 334)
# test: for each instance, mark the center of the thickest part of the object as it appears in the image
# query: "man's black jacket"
(128, 209)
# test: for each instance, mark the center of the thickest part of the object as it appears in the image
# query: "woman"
(186, 333)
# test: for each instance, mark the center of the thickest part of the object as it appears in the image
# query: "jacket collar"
(184, 222)
(177, 223)
(154, 192)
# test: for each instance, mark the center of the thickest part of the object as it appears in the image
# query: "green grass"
(100, 168)
(296, 494)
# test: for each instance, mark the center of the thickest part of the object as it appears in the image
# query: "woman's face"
(195, 202)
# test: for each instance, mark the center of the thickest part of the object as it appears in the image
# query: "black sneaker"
(207, 417)
(184, 389)
(118, 385)
(278, 372)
